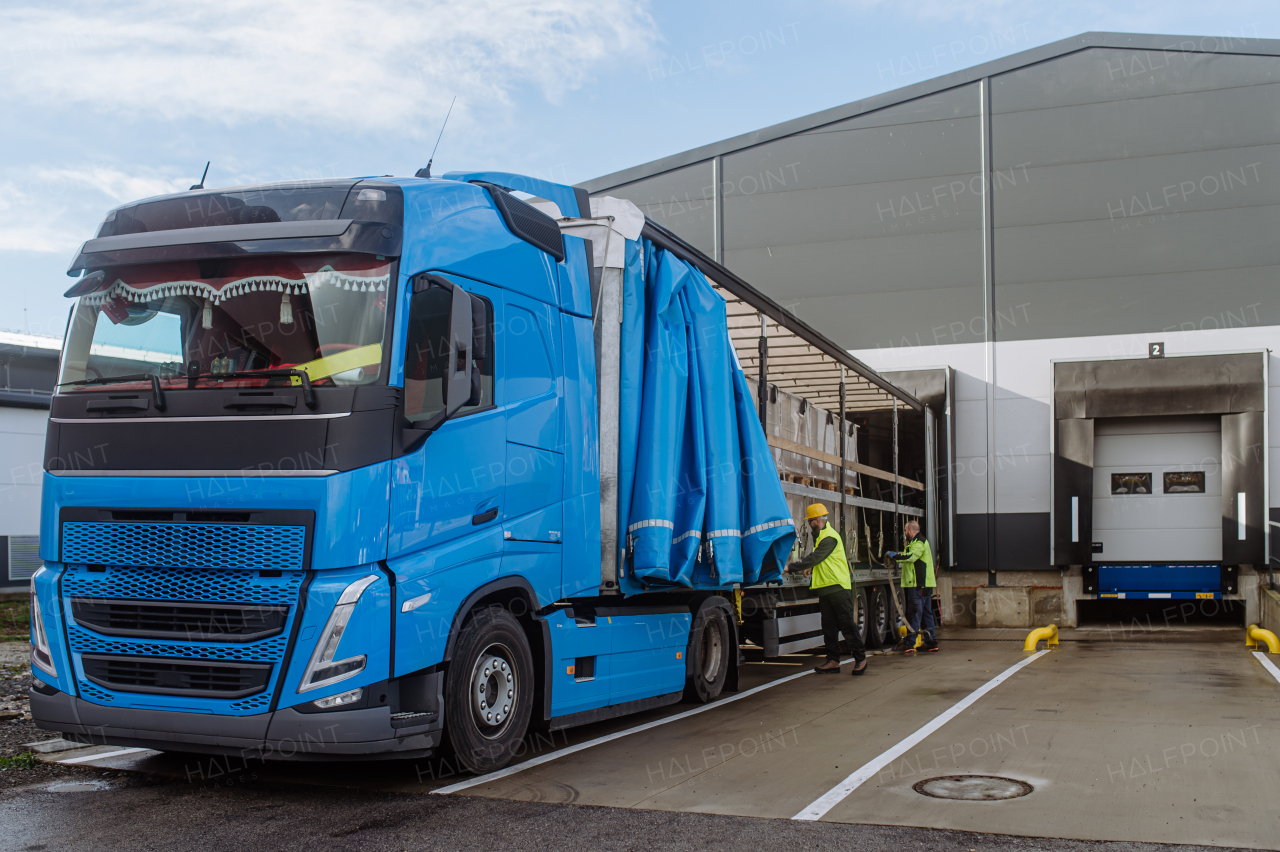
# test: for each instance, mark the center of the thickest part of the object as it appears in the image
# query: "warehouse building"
(28, 366)
(1073, 251)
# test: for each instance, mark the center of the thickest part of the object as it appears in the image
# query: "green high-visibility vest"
(917, 552)
(834, 570)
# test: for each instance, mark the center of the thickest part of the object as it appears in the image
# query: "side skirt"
(559, 723)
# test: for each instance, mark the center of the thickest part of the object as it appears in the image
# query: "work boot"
(930, 646)
(860, 667)
(829, 667)
(902, 647)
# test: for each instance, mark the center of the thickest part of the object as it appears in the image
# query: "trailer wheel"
(708, 654)
(862, 615)
(489, 690)
(878, 629)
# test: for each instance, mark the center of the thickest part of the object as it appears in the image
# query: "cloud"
(53, 210)
(350, 65)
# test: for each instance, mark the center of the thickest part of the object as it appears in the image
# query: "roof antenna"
(426, 173)
(200, 185)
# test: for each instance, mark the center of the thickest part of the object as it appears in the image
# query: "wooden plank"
(830, 458)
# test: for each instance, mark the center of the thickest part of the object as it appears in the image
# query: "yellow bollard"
(1255, 635)
(1049, 634)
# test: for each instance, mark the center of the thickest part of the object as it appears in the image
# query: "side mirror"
(458, 373)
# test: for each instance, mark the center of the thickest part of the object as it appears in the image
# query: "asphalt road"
(135, 814)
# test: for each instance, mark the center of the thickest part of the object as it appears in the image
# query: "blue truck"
(384, 467)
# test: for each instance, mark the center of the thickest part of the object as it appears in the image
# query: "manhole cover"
(973, 788)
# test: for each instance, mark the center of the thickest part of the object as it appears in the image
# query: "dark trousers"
(920, 614)
(837, 618)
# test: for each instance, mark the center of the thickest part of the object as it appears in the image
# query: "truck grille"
(181, 545)
(184, 621)
(158, 676)
(207, 640)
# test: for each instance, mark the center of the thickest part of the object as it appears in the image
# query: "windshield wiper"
(156, 390)
(308, 395)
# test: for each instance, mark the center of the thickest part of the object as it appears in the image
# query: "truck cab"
(322, 478)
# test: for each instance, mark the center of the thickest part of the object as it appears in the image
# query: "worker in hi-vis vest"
(918, 583)
(832, 583)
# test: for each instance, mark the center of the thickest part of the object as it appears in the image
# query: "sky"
(106, 103)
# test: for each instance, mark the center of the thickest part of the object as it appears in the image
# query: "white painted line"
(1267, 664)
(819, 807)
(102, 755)
(564, 752)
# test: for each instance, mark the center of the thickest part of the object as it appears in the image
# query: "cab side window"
(427, 352)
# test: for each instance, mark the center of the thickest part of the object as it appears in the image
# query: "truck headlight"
(41, 655)
(323, 670)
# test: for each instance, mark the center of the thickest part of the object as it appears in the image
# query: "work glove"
(891, 554)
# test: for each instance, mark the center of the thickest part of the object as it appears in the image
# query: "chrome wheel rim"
(882, 614)
(860, 616)
(494, 691)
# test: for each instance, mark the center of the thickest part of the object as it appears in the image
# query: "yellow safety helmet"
(815, 510)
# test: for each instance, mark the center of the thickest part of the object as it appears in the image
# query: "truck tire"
(708, 653)
(862, 615)
(489, 690)
(878, 627)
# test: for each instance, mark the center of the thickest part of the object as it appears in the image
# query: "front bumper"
(285, 734)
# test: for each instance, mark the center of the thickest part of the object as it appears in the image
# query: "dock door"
(1160, 474)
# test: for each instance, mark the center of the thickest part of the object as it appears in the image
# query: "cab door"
(453, 484)
(534, 514)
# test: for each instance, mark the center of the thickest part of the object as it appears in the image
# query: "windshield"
(218, 322)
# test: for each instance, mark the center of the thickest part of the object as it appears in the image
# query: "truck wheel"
(878, 628)
(862, 615)
(489, 690)
(708, 654)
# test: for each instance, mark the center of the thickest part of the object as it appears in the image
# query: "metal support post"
(897, 488)
(840, 424)
(763, 391)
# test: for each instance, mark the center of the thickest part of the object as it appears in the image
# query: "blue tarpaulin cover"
(695, 467)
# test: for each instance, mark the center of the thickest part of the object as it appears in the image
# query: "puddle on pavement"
(78, 786)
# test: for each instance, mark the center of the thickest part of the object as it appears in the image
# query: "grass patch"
(26, 760)
(15, 620)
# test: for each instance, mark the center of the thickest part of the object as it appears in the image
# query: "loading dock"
(1159, 474)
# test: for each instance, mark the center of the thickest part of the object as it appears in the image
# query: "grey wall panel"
(1107, 74)
(847, 154)
(1243, 451)
(971, 427)
(1131, 190)
(1172, 302)
(871, 228)
(1211, 239)
(1072, 478)
(936, 262)
(1022, 427)
(1023, 483)
(840, 212)
(971, 483)
(1136, 203)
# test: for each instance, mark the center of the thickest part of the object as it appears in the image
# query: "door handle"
(484, 517)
